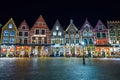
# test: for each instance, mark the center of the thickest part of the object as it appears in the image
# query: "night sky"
(63, 10)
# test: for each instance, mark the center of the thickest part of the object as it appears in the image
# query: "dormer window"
(23, 27)
(10, 25)
(57, 27)
(100, 27)
(87, 27)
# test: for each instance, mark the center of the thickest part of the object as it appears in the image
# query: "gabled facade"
(101, 40)
(23, 39)
(72, 36)
(8, 37)
(87, 37)
(23, 33)
(57, 40)
(114, 36)
(40, 37)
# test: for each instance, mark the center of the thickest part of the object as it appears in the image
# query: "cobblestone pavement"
(59, 68)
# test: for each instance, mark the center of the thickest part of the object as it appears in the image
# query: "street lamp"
(83, 44)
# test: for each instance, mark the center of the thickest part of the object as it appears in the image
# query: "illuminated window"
(11, 40)
(6, 33)
(98, 41)
(10, 25)
(12, 33)
(59, 33)
(104, 42)
(100, 27)
(90, 33)
(57, 27)
(85, 33)
(61, 41)
(85, 41)
(5, 39)
(54, 33)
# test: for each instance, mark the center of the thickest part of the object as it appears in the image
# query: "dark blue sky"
(64, 10)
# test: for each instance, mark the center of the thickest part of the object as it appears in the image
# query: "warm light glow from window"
(12, 50)
(3, 49)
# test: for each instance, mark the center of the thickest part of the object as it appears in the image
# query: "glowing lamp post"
(83, 44)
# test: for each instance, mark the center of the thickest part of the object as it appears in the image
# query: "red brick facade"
(22, 30)
(40, 24)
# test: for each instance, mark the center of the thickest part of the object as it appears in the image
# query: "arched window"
(87, 27)
(90, 33)
(85, 41)
(90, 41)
(72, 36)
(66, 36)
(84, 33)
(77, 35)
(72, 31)
(23, 27)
